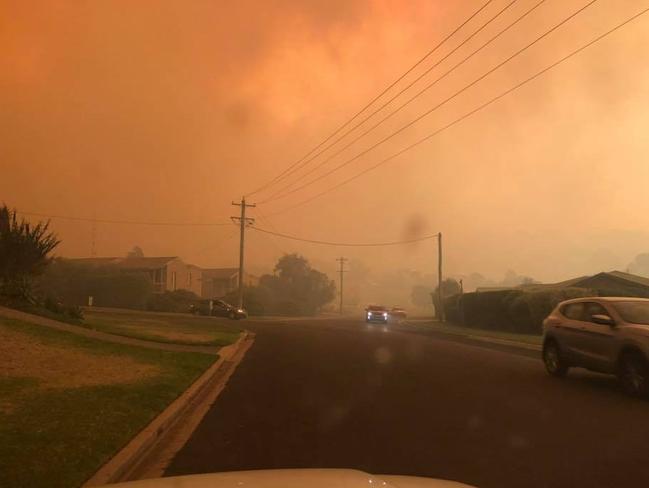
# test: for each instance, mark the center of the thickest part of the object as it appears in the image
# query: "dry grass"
(174, 329)
(23, 355)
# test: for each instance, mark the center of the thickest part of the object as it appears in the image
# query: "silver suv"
(607, 335)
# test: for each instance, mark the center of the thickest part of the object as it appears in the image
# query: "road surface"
(337, 393)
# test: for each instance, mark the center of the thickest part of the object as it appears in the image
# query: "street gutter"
(149, 453)
(473, 337)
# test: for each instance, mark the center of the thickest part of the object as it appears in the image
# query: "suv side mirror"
(603, 319)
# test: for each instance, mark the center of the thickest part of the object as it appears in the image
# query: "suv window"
(593, 308)
(574, 311)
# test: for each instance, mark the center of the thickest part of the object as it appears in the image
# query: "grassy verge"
(181, 329)
(58, 436)
(470, 331)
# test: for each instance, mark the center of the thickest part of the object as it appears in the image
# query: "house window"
(173, 280)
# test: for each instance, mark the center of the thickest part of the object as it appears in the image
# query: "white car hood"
(291, 478)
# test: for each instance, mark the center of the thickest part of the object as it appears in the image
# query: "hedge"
(518, 311)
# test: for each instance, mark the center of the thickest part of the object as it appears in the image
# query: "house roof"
(220, 273)
(586, 281)
(145, 263)
(640, 280)
(96, 261)
(571, 282)
(482, 289)
(127, 263)
(579, 282)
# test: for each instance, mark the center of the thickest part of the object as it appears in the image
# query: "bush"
(72, 283)
(256, 299)
(53, 306)
(518, 311)
(172, 301)
(489, 310)
(74, 312)
(453, 308)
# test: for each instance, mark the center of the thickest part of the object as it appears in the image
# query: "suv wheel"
(232, 315)
(554, 364)
(634, 374)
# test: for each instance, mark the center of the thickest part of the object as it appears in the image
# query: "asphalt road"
(339, 394)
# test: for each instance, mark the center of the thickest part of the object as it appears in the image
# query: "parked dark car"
(219, 309)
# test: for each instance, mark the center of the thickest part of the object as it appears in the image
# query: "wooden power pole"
(440, 295)
(243, 223)
(342, 270)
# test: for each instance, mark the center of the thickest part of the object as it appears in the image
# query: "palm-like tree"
(24, 253)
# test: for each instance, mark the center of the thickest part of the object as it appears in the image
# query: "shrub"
(172, 301)
(25, 252)
(72, 283)
(453, 308)
(489, 310)
(74, 312)
(256, 299)
(519, 311)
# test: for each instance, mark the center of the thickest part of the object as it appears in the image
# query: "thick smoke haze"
(168, 111)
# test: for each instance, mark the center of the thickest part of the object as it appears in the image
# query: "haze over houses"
(170, 273)
(606, 283)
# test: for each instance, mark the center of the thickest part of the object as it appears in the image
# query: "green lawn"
(180, 329)
(491, 334)
(68, 403)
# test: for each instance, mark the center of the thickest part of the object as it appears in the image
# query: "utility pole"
(342, 270)
(243, 223)
(93, 238)
(439, 277)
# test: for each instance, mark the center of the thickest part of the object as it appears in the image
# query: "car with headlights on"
(603, 334)
(377, 313)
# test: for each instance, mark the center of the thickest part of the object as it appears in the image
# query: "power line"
(440, 104)
(394, 97)
(263, 219)
(217, 246)
(466, 115)
(345, 244)
(129, 222)
(406, 103)
(369, 104)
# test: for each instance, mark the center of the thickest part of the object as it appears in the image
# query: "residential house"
(218, 282)
(171, 273)
(166, 273)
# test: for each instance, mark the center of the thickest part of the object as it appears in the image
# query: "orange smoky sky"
(166, 111)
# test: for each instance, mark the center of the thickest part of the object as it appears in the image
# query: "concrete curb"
(477, 338)
(132, 458)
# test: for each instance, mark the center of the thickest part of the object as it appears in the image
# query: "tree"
(136, 252)
(420, 296)
(640, 265)
(528, 280)
(514, 279)
(24, 253)
(450, 287)
(296, 288)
